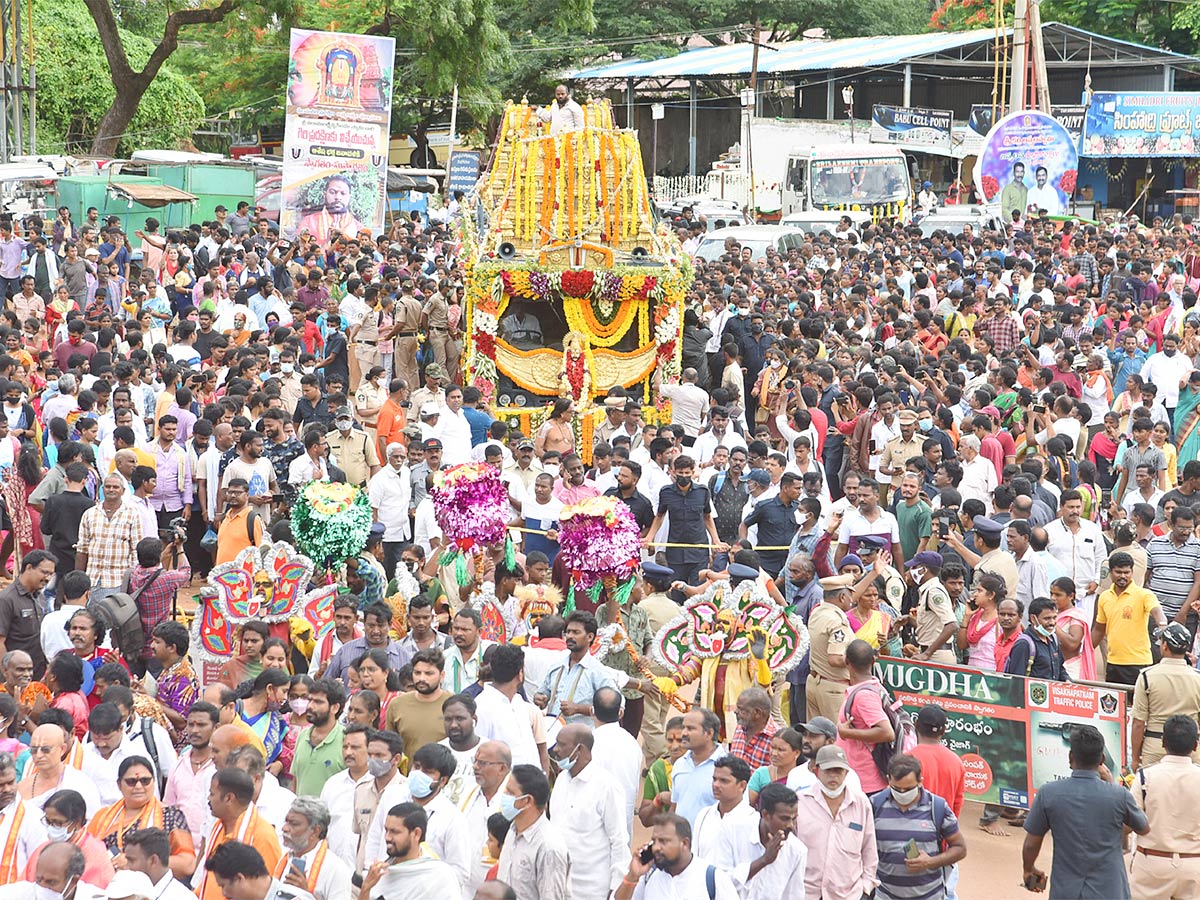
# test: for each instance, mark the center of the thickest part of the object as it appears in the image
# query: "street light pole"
(848, 99)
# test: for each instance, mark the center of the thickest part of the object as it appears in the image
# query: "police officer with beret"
(1167, 688)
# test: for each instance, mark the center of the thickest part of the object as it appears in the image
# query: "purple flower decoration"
(612, 288)
(539, 285)
(470, 503)
(597, 538)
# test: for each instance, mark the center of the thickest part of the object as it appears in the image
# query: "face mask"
(508, 806)
(287, 368)
(1044, 632)
(756, 328)
(299, 705)
(917, 573)
(58, 832)
(683, 480)
(308, 370)
(1168, 353)
(420, 785)
(565, 765)
(551, 468)
(44, 893)
(344, 424)
(925, 424)
(379, 767)
(743, 312)
(775, 363)
(904, 798)
(834, 792)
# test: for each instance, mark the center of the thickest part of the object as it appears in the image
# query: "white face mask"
(834, 792)
(904, 798)
(917, 573)
(44, 893)
(287, 368)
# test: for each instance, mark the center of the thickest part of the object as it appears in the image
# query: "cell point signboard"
(1012, 734)
(339, 102)
(1029, 163)
(913, 127)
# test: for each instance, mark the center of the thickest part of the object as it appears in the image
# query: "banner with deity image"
(339, 102)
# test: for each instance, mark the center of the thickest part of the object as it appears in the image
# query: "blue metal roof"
(821, 55)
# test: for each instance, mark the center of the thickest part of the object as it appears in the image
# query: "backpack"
(905, 731)
(120, 615)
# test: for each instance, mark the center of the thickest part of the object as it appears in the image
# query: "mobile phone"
(910, 849)
(114, 852)
(646, 856)
(1039, 407)
(299, 863)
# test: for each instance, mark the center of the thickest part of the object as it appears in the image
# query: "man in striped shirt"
(908, 812)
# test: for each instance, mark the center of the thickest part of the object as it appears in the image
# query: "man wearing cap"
(614, 418)
(942, 771)
(1170, 687)
(435, 377)
(829, 633)
(430, 415)
(431, 463)
(835, 823)
(934, 616)
(869, 552)
(927, 199)
(520, 475)
(988, 536)
(352, 448)
(899, 450)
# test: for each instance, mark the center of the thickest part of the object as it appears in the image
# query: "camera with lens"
(177, 528)
(405, 404)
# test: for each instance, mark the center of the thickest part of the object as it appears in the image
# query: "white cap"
(127, 884)
(430, 409)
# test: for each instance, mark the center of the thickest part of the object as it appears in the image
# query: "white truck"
(814, 167)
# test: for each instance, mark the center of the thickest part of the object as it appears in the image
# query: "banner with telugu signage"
(335, 151)
(1013, 734)
(912, 127)
(1143, 125)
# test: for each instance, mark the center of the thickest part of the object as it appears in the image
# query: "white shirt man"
(274, 801)
(449, 838)
(617, 751)
(510, 722)
(706, 832)
(587, 809)
(374, 846)
(338, 795)
(389, 491)
(740, 845)
(454, 431)
(689, 403)
(27, 819)
(706, 445)
(425, 526)
(333, 878)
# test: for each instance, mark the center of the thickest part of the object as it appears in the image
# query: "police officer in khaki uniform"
(869, 548)
(989, 536)
(1166, 863)
(435, 319)
(899, 450)
(829, 632)
(408, 315)
(1168, 688)
(934, 616)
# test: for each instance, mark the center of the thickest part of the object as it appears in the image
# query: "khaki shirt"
(897, 452)
(355, 454)
(1001, 564)
(934, 612)
(1169, 688)
(1169, 794)
(408, 314)
(290, 390)
(369, 397)
(437, 311)
(829, 632)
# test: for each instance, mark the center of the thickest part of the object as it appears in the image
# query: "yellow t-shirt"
(1125, 619)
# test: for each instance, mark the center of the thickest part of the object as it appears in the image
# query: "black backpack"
(120, 615)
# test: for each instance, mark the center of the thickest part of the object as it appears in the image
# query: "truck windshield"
(863, 181)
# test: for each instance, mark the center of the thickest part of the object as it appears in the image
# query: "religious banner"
(1029, 163)
(1142, 125)
(339, 103)
(1013, 734)
(912, 127)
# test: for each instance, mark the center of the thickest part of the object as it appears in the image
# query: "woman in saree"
(1102, 451)
(137, 809)
(1187, 418)
(868, 616)
(259, 707)
(1073, 631)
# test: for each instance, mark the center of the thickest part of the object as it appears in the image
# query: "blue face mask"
(925, 424)
(565, 765)
(420, 785)
(508, 806)
(1044, 632)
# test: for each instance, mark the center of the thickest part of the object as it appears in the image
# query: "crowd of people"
(973, 449)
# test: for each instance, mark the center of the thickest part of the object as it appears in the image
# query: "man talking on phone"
(665, 868)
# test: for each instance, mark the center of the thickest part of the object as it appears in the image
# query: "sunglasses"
(37, 750)
(143, 781)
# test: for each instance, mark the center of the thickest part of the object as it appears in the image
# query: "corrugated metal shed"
(1061, 41)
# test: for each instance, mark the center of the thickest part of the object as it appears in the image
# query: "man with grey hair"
(62, 405)
(272, 800)
(21, 828)
(755, 727)
(979, 478)
(58, 873)
(390, 491)
(493, 763)
(307, 863)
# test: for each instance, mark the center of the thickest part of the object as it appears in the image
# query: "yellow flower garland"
(582, 318)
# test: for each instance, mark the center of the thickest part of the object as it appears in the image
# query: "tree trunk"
(116, 119)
